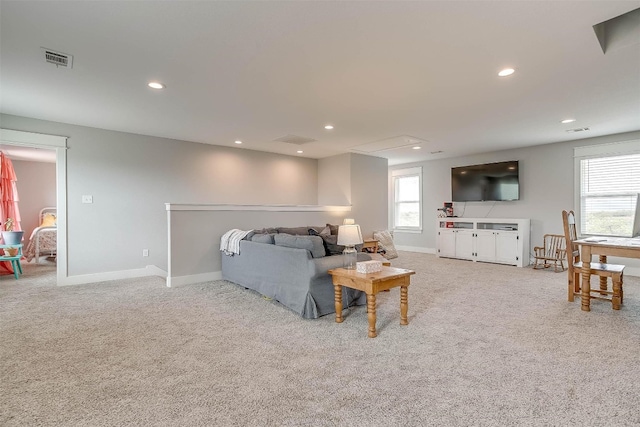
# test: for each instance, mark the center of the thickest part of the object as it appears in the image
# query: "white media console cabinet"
(502, 241)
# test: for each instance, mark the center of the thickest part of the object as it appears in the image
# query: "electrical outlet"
(145, 252)
(87, 199)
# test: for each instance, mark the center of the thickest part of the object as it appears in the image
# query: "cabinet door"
(507, 247)
(446, 243)
(486, 246)
(464, 244)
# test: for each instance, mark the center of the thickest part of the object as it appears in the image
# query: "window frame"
(396, 175)
(599, 151)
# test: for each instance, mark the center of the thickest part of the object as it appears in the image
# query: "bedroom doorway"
(31, 148)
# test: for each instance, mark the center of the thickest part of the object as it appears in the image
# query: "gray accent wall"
(546, 188)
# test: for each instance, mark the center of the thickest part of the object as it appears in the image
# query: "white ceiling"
(385, 74)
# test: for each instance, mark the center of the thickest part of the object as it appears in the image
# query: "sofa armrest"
(322, 265)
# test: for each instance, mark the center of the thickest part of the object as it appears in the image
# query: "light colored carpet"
(486, 345)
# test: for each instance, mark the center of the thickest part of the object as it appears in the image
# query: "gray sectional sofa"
(295, 276)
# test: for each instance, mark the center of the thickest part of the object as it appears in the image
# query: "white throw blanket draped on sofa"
(230, 241)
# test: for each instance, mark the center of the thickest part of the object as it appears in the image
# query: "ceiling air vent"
(294, 139)
(577, 130)
(58, 58)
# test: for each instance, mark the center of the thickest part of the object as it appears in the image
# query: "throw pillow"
(386, 242)
(263, 238)
(333, 229)
(318, 250)
(49, 220)
(311, 243)
(313, 231)
(317, 229)
(331, 245)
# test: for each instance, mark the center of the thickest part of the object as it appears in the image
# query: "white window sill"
(408, 230)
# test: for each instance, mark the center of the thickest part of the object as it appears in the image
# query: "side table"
(371, 284)
(14, 260)
(370, 244)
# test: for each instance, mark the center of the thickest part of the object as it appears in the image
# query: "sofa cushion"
(263, 238)
(266, 231)
(295, 231)
(311, 243)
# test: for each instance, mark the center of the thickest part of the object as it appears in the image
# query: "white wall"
(546, 188)
(131, 177)
(334, 180)
(369, 193)
(357, 180)
(36, 188)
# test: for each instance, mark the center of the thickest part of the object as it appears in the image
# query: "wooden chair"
(601, 269)
(553, 251)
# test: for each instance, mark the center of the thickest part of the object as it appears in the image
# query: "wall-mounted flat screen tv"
(487, 182)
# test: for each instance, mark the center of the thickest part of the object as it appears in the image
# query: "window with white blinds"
(609, 188)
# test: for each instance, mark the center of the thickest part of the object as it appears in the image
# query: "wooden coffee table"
(371, 284)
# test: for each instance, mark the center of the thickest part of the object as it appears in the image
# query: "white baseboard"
(416, 249)
(152, 270)
(149, 270)
(193, 278)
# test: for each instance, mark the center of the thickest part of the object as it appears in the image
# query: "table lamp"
(349, 236)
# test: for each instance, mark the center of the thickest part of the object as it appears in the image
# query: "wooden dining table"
(624, 247)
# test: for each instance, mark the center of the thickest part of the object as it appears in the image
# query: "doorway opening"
(40, 164)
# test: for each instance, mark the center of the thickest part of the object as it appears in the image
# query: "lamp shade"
(349, 235)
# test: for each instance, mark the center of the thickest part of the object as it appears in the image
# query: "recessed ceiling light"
(156, 85)
(299, 151)
(568, 121)
(328, 127)
(238, 142)
(417, 147)
(506, 72)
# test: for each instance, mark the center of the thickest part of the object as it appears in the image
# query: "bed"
(43, 240)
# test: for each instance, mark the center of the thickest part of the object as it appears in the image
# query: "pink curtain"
(8, 201)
